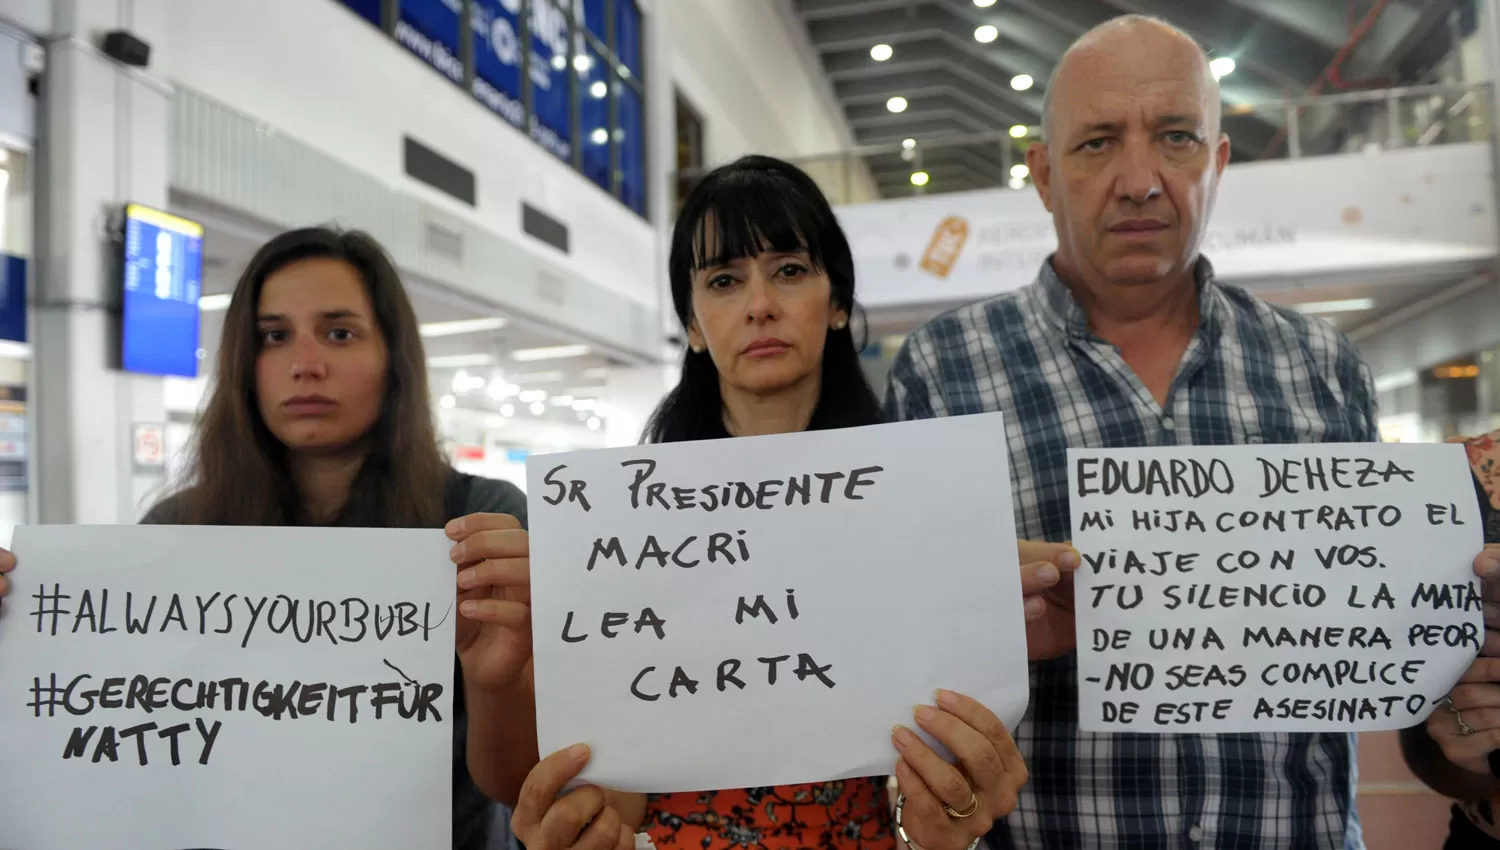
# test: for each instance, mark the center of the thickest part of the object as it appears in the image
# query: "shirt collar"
(1063, 309)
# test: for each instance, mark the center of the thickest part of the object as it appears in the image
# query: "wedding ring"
(1463, 728)
(967, 812)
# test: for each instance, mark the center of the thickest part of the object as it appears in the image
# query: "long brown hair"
(239, 470)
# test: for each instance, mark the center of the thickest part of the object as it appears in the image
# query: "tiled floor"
(1397, 811)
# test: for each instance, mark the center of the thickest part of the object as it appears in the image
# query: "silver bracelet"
(901, 830)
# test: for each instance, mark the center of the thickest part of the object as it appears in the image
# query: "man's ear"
(1039, 161)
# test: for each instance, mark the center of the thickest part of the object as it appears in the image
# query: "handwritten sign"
(762, 611)
(171, 687)
(1272, 588)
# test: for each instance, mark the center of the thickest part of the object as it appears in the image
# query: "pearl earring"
(840, 323)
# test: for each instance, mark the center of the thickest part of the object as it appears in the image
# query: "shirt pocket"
(1287, 419)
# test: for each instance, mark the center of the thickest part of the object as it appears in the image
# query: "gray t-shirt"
(478, 822)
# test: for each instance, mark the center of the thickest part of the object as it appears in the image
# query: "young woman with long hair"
(762, 280)
(320, 416)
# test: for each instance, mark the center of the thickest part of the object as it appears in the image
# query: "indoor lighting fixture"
(538, 377)
(920, 178)
(896, 104)
(1469, 370)
(598, 373)
(583, 63)
(1221, 67)
(1020, 131)
(908, 156)
(561, 401)
(1347, 305)
(461, 326)
(214, 303)
(584, 404)
(1017, 183)
(1022, 82)
(537, 408)
(1020, 171)
(553, 352)
(599, 90)
(459, 361)
(560, 62)
(908, 144)
(448, 402)
(986, 34)
(600, 136)
(593, 423)
(881, 52)
(532, 396)
(463, 382)
(501, 389)
(507, 410)
(18, 350)
(984, 4)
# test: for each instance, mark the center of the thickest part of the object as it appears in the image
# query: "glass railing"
(1347, 122)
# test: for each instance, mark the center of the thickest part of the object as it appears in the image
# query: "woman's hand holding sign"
(586, 818)
(7, 563)
(947, 806)
(1047, 585)
(494, 580)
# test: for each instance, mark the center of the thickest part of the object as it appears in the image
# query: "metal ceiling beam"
(819, 9)
(1322, 21)
(925, 86)
(926, 128)
(1016, 26)
(935, 55)
(1392, 35)
(935, 164)
(981, 156)
(921, 109)
(926, 21)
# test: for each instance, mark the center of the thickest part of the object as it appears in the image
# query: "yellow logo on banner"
(947, 243)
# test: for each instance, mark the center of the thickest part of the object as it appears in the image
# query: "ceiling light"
(1221, 67)
(538, 377)
(561, 401)
(986, 34)
(213, 303)
(1020, 171)
(507, 410)
(501, 389)
(908, 156)
(554, 352)
(881, 52)
(599, 90)
(1022, 82)
(582, 63)
(597, 373)
(448, 402)
(600, 136)
(896, 104)
(1347, 305)
(537, 408)
(984, 4)
(1017, 183)
(464, 382)
(584, 404)
(593, 423)
(461, 326)
(919, 178)
(18, 350)
(1020, 131)
(533, 396)
(559, 62)
(908, 144)
(458, 361)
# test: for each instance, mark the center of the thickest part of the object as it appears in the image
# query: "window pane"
(632, 141)
(497, 59)
(593, 17)
(429, 28)
(367, 9)
(628, 35)
(550, 102)
(593, 89)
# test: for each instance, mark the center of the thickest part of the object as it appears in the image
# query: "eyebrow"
(326, 314)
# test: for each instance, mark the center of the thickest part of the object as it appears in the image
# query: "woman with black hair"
(762, 280)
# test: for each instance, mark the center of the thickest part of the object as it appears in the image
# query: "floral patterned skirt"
(850, 815)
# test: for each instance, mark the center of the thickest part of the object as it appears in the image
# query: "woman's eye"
(791, 270)
(272, 337)
(341, 335)
(720, 281)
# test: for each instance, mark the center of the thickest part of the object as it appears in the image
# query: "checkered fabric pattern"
(1252, 374)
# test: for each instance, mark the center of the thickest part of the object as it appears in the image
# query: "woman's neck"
(324, 481)
(786, 411)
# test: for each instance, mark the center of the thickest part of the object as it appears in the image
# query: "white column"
(104, 140)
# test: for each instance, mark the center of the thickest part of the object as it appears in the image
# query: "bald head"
(1131, 50)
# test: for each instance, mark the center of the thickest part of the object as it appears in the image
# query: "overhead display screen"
(163, 279)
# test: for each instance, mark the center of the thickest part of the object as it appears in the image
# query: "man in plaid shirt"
(1124, 340)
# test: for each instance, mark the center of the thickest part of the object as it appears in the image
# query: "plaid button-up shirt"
(1251, 374)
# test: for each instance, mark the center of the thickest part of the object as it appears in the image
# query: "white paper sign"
(1286, 588)
(761, 611)
(170, 687)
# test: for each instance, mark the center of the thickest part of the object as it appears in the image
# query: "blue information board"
(429, 29)
(551, 79)
(497, 58)
(12, 298)
(163, 281)
(367, 9)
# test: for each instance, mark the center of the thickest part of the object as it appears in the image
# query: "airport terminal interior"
(523, 161)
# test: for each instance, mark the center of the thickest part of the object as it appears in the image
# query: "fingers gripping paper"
(762, 611)
(168, 687)
(1272, 588)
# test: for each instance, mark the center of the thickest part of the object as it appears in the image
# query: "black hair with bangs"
(754, 204)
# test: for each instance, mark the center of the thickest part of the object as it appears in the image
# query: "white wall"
(313, 70)
(748, 71)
